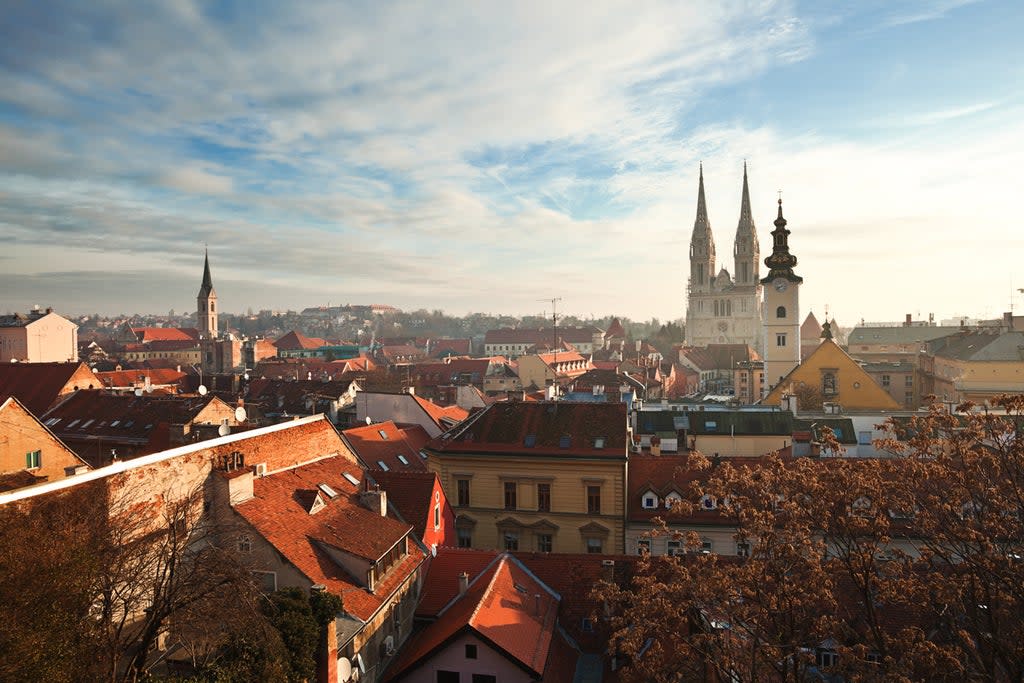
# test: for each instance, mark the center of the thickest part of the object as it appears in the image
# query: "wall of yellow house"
(853, 388)
(568, 479)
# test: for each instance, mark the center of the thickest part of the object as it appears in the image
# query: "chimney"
(908, 320)
(376, 500)
(655, 445)
(463, 583)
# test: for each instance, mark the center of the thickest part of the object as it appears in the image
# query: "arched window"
(716, 308)
(780, 312)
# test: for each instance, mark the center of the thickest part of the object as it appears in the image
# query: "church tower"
(206, 304)
(721, 310)
(702, 245)
(746, 250)
(781, 308)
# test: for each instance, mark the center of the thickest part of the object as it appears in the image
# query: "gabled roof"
(151, 334)
(615, 330)
(411, 493)
(129, 378)
(457, 347)
(38, 385)
(810, 330)
(295, 340)
(898, 335)
(443, 417)
(385, 441)
(507, 606)
(549, 429)
(1006, 347)
(279, 512)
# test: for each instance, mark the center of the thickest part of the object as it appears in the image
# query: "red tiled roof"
(557, 428)
(295, 340)
(615, 330)
(411, 493)
(300, 397)
(38, 385)
(507, 606)
(540, 336)
(279, 512)
(368, 444)
(151, 334)
(442, 415)
(458, 347)
(128, 378)
(442, 581)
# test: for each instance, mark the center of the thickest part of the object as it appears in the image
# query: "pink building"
(39, 337)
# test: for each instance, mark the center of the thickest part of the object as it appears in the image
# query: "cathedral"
(721, 308)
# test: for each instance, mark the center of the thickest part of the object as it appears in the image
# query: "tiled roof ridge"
(502, 561)
(483, 572)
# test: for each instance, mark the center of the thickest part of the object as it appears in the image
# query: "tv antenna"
(554, 324)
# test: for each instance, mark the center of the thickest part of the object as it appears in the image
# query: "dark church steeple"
(780, 262)
(702, 244)
(206, 304)
(746, 249)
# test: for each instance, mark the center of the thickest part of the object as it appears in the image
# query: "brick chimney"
(463, 583)
(376, 500)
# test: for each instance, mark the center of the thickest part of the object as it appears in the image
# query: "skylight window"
(129, 423)
(423, 455)
(115, 423)
(564, 441)
(86, 424)
(71, 424)
(383, 465)
(599, 442)
(331, 493)
(383, 434)
(352, 480)
(402, 460)
(530, 441)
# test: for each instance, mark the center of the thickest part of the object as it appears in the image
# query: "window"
(864, 438)
(780, 312)
(33, 460)
(827, 658)
(594, 545)
(708, 502)
(587, 626)
(643, 547)
(484, 678)
(908, 380)
(743, 549)
(594, 500)
(383, 434)
(465, 538)
(245, 544)
(706, 546)
(780, 339)
(463, 492)
(650, 501)
(511, 540)
(470, 651)
(447, 676)
(543, 497)
(673, 548)
(510, 495)
(885, 380)
(828, 384)
(544, 543)
(437, 516)
(861, 506)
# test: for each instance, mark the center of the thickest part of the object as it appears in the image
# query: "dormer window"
(650, 501)
(672, 498)
(708, 502)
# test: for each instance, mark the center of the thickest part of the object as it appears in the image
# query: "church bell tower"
(781, 308)
(206, 304)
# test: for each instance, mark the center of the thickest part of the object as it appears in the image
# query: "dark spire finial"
(826, 330)
(207, 285)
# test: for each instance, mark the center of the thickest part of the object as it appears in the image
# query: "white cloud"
(196, 180)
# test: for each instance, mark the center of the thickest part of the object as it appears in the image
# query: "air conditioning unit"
(261, 469)
(389, 646)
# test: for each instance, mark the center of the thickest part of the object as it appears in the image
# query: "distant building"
(39, 386)
(39, 337)
(781, 307)
(515, 342)
(206, 304)
(720, 309)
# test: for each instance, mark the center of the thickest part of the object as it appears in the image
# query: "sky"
(488, 156)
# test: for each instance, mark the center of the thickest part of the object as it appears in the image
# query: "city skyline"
(481, 159)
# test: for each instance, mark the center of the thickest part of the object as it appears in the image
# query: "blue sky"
(485, 156)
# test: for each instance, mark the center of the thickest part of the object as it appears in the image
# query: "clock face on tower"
(780, 284)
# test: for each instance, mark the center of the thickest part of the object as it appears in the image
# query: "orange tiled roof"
(279, 512)
(411, 493)
(371, 446)
(442, 416)
(151, 334)
(127, 378)
(295, 340)
(507, 606)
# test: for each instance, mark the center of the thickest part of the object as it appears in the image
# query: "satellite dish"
(149, 388)
(344, 669)
(246, 377)
(369, 420)
(202, 390)
(138, 392)
(240, 414)
(224, 430)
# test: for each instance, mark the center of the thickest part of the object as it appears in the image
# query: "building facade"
(39, 337)
(720, 308)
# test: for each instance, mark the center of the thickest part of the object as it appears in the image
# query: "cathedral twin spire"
(746, 251)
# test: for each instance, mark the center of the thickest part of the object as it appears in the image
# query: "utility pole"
(554, 330)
